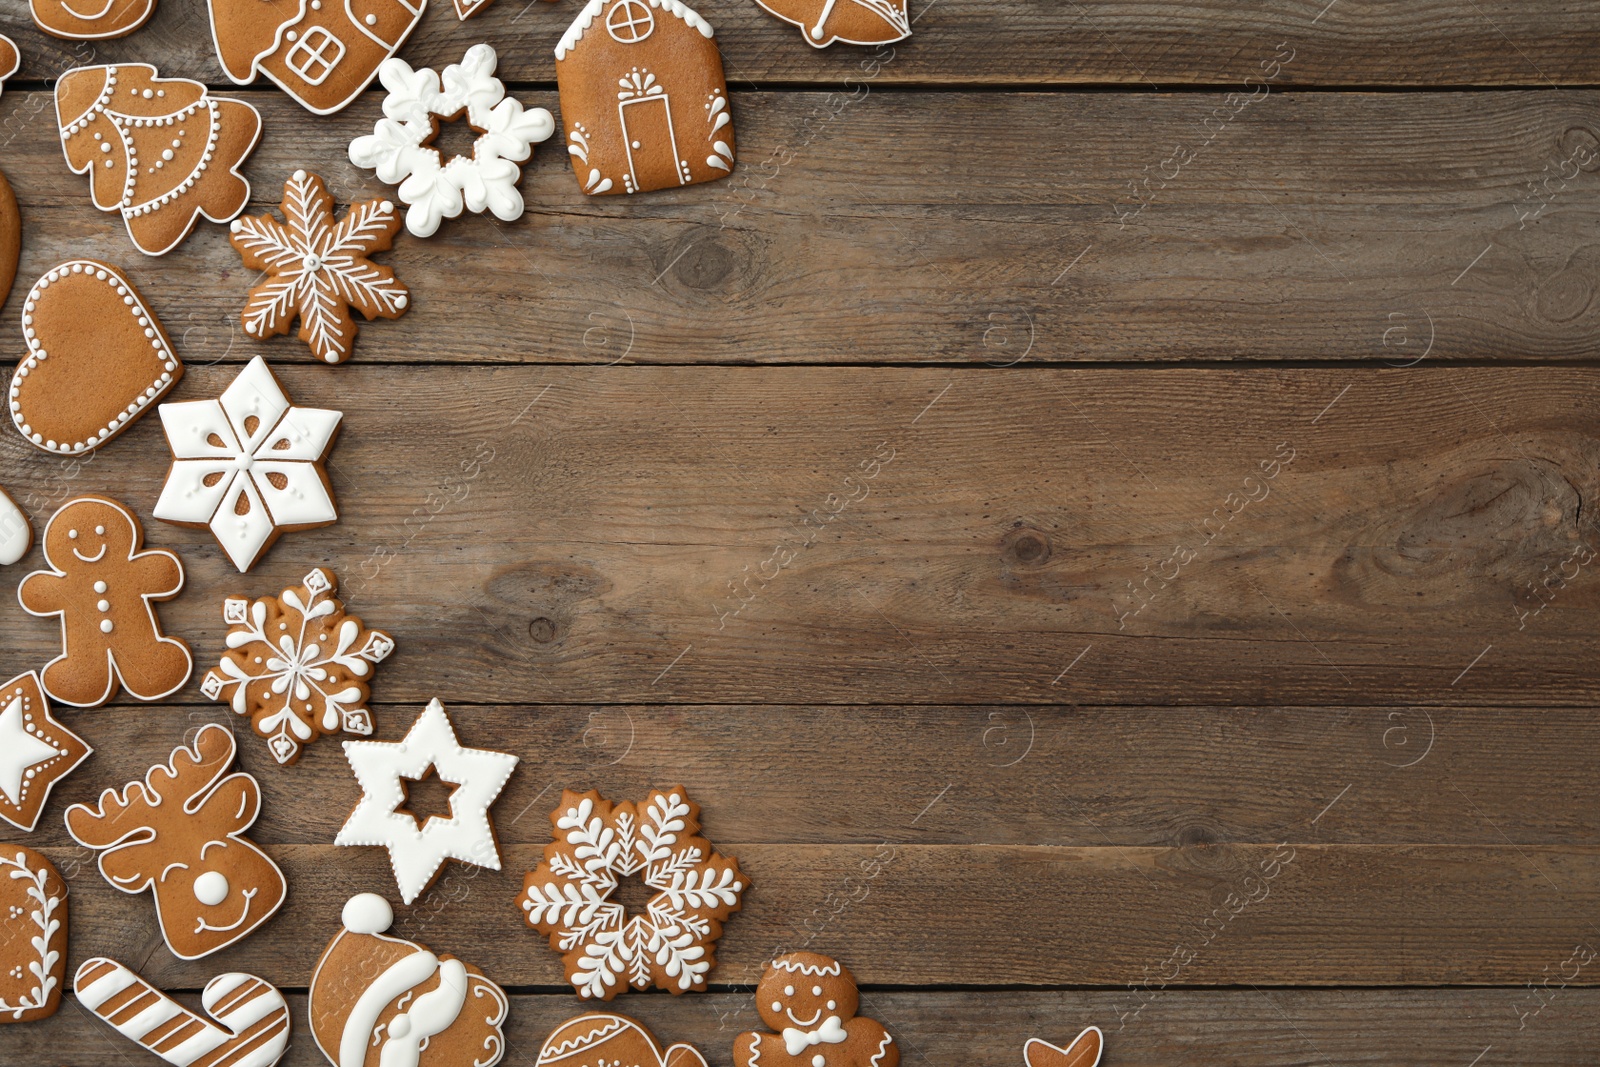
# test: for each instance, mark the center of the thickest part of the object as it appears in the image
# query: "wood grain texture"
(1013, 915)
(1248, 1028)
(1200, 537)
(982, 229)
(1534, 43)
(1187, 778)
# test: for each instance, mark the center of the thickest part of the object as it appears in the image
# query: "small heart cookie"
(97, 359)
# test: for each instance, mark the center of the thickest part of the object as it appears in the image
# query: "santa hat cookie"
(382, 1000)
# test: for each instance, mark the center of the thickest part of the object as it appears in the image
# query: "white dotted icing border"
(37, 355)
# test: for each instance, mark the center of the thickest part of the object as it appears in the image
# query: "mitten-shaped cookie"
(104, 590)
(810, 1001)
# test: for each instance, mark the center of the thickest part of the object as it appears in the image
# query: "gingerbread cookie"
(811, 1001)
(417, 852)
(97, 359)
(643, 98)
(10, 60)
(321, 54)
(105, 591)
(252, 1019)
(10, 237)
(400, 147)
(162, 151)
(597, 843)
(33, 935)
(297, 665)
(16, 532)
(248, 465)
(90, 20)
(318, 269)
(36, 751)
(180, 833)
(850, 21)
(382, 1001)
(1083, 1052)
(601, 1039)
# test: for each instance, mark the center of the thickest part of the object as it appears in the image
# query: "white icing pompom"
(367, 913)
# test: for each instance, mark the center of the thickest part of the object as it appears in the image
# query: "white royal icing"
(239, 1002)
(213, 439)
(21, 748)
(367, 913)
(416, 853)
(16, 533)
(432, 189)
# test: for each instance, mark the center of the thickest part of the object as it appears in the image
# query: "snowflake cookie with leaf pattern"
(298, 665)
(672, 945)
(400, 147)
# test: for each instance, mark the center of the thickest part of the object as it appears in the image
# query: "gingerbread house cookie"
(643, 99)
(321, 52)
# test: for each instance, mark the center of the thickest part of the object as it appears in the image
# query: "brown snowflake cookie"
(600, 1038)
(810, 1002)
(95, 20)
(321, 54)
(161, 151)
(179, 833)
(1083, 1052)
(643, 98)
(97, 359)
(104, 590)
(378, 1000)
(672, 945)
(297, 665)
(36, 751)
(318, 269)
(33, 935)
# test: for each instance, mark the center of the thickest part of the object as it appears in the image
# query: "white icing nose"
(211, 888)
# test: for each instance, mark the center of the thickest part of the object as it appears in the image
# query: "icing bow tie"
(797, 1041)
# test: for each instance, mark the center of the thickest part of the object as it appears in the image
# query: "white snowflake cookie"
(400, 147)
(248, 465)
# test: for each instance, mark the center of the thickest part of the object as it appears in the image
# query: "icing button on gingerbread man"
(811, 1001)
(104, 589)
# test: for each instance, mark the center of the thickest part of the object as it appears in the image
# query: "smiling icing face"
(88, 531)
(802, 989)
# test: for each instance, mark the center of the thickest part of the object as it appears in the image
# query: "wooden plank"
(916, 915)
(878, 535)
(913, 228)
(1031, 42)
(1158, 777)
(1249, 1028)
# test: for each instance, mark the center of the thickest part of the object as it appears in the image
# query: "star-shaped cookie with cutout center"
(418, 852)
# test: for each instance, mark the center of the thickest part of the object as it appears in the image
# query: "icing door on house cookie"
(652, 150)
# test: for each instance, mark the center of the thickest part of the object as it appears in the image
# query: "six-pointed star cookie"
(417, 852)
(36, 752)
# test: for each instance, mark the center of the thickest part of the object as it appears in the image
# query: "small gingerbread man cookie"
(104, 589)
(811, 1002)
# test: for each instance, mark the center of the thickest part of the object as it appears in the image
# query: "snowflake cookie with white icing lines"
(671, 946)
(297, 665)
(400, 147)
(248, 465)
(417, 851)
(318, 269)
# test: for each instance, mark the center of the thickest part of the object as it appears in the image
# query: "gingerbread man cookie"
(810, 1001)
(104, 590)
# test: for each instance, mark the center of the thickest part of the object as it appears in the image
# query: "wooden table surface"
(1146, 515)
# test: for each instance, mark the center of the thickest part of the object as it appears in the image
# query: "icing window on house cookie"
(630, 22)
(315, 55)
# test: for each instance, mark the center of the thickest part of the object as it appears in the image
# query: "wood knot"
(1026, 547)
(542, 630)
(705, 264)
(1581, 145)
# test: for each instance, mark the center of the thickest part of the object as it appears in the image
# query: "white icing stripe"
(401, 976)
(206, 1040)
(106, 986)
(268, 1053)
(162, 1011)
(252, 1011)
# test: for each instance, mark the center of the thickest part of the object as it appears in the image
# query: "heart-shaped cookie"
(97, 359)
(33, 935)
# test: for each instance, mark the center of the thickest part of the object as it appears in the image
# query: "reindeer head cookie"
(180, 833)
(811, 1001)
